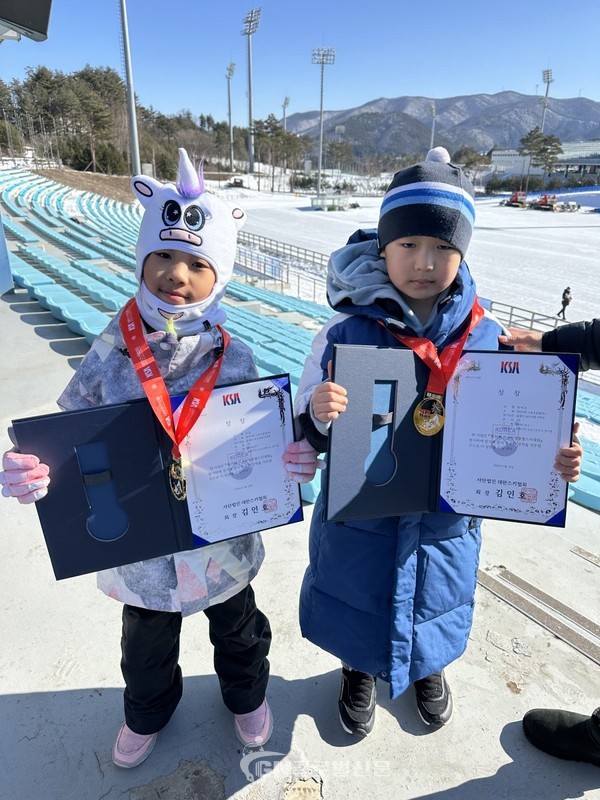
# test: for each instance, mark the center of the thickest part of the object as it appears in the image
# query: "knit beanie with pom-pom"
(432, 198)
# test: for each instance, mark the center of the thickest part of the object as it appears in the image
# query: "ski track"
(520, 257)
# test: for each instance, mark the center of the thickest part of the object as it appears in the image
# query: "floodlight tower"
(548, 79)
(251, 21)
(322, 56)
(284, 105)
(133, 131)
(229, 75)
(432, 124)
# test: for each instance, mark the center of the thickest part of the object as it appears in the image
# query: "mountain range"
(481, 121)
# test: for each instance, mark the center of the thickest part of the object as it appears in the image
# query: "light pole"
(251, 21)
(432, 124)
(134, 146)
(547, 78)
(340, 130)
(322, 56)
(8, 138)
(284, 105)
(229, 75)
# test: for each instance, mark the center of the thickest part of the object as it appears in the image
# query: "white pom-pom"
(438, 154)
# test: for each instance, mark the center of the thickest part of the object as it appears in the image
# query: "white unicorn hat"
(184, 216)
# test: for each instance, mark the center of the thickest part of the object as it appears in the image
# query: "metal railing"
(262, 265)
(515, 317)
(278, 275)
(284, 250)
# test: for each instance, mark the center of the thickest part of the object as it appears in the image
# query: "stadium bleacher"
(73, 252)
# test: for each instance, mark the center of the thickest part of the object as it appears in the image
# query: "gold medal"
(177, 479)
(429, 415)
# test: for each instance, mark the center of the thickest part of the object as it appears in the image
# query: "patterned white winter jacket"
(190, 581)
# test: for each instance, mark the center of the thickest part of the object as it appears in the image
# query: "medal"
(429, 415)
(177, 479)
(156, 391)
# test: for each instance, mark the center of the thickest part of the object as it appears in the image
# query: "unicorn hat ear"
(145, 188)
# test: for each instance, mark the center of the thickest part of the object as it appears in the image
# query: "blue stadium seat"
(586, 492)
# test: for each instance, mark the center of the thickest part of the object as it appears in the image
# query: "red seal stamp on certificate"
(528, 495)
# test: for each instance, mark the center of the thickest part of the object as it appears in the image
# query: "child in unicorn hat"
(185, 255)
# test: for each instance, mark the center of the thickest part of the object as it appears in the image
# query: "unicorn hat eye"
(171, 212)
(194, 218)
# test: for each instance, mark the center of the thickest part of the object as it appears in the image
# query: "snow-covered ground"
(518, 256)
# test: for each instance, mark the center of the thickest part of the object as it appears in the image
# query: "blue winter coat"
(392, 597)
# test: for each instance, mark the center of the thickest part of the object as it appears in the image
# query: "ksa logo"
(509, 367)
(231, 399)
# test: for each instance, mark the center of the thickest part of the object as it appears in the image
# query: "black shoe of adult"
(564, 734)
(434, 699)
(358, 694)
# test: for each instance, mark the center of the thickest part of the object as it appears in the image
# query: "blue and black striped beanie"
(433, 198)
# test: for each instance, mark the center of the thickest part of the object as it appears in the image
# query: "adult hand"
(24, 477)
(523, 341)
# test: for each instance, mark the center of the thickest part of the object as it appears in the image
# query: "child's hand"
(328, 401)
(568, 459)
(24, 477)
(300, 461)
(523, 341)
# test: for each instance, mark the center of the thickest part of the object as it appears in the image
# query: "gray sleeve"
(84, 390)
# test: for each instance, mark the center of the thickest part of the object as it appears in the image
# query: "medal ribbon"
(443, 365)
(154, 385)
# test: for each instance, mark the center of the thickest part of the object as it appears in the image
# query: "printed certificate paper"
(233, 462)
(507, 415)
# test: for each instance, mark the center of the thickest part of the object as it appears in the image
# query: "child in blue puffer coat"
(393, 597)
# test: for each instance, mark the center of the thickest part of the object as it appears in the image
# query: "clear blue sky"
(384, 48)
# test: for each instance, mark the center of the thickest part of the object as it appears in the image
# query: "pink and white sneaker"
(132, 748)
(255, 728)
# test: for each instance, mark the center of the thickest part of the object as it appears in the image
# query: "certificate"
(507, 415)
(233, 462)
(111, 501)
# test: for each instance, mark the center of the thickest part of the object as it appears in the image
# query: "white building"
(577, 150)
(578, 156)
(511, 162)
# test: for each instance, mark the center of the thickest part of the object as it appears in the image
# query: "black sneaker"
(358, 694)
(434, 699)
